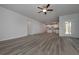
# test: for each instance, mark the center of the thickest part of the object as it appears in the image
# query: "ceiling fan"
(44, 9)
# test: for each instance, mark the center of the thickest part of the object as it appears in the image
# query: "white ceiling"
(30, 10)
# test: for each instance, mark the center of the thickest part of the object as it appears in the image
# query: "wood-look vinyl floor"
(40, 44)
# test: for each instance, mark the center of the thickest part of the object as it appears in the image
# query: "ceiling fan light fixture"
(44, 10)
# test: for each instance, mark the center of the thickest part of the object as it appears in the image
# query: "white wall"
(14, 25)
(36, 27)
(74, 18)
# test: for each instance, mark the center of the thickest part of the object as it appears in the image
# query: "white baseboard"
(10, 38)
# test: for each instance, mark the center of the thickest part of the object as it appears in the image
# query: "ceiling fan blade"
(39, 7)
(45, 13)
(47, 5)
(50, 10)
(39, 11)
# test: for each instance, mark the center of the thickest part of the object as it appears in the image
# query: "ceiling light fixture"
(44, 10)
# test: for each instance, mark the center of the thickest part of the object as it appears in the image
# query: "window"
(67, 27)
